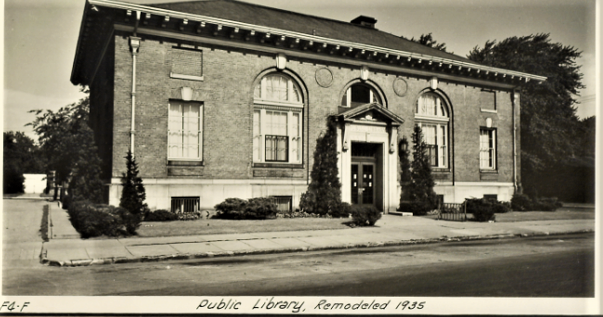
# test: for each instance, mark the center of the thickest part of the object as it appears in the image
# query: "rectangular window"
(487, 149)
(277, 136)
(185, 130)
(284, 203)
(187, 62)
(491, 197)
(435, 137)
(185, 204)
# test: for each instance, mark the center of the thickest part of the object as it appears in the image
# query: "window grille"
(284, 203)
(185, 204)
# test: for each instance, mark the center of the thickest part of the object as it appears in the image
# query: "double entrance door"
(363, 183)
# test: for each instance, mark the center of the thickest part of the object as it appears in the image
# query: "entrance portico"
(368, 156)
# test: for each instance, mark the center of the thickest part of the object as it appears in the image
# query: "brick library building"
(224, 98)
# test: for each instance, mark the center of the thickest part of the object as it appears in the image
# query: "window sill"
(278, 165)
(186, 77)
(488, 110)
(440, 169)
(488, 171)
(172, 162)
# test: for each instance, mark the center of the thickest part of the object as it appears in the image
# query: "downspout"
(515, 103)
(134, 44)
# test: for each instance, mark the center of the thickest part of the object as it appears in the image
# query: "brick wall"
(227, 95)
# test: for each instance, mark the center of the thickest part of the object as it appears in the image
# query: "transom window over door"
(277, 120)
(359, 94)
(431, 115)
(185, 125)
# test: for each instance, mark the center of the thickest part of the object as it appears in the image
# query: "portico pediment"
(371, 113)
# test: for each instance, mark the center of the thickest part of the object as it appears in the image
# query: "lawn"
(218, 226)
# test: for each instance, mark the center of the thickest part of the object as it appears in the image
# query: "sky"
(40, 37)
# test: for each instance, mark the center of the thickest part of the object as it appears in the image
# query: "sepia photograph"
(301, 157)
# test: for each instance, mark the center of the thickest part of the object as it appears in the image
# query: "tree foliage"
(133, 193)
(324, 192)
(403, 154)
(421, 184)
(549, 125)
(20, 156)
(67, 146)
(427, 40)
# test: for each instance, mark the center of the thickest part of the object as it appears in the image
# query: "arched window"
(431, 114)
(359, 94)
(277, 120)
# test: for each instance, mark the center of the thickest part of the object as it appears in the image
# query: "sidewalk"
(66, 249)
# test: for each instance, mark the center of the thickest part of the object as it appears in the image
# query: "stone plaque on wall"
(324, 77)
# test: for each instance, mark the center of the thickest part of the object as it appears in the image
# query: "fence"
(185, 204)
(452, 211)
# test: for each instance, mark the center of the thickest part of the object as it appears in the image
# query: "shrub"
(341, 210)
(65, 201)
(93, 220)
(482, 209)
(521, 202)
(365, 215)
(547, 204)
(231, 204)
(189, 215)
(254, 208)
(160, 215)
(260, 208)
(418, 208)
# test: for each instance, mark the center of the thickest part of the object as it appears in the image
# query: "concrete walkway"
(66, 249)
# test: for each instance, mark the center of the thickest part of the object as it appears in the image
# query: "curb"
(118, 260)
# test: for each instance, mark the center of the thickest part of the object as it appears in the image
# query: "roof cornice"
(398, 54)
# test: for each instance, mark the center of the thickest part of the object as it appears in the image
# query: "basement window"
(185, 204)
(284, 203)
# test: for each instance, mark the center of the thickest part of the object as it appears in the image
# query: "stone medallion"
(400, 86)
(324, 77)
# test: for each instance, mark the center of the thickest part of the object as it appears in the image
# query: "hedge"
(254, 208)
(93, 220)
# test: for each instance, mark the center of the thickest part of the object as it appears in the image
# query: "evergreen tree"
(133, 193)
(403, 154)
(421, 181)
(324, 192)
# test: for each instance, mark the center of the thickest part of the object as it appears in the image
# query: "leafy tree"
(324, 192)
(549, 124)
(20, 156)
(427, 40)
(421, 184)
(67, 145)
(133, 193)
(85, 182)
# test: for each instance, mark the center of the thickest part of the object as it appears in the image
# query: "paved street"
(538, 266)
(556, 266)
